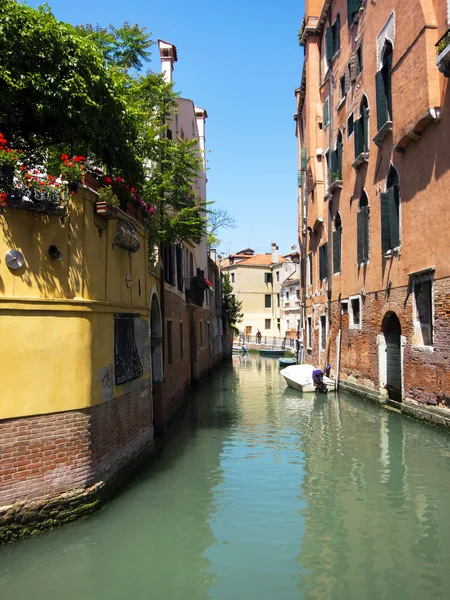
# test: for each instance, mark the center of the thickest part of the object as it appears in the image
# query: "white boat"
(300, 377)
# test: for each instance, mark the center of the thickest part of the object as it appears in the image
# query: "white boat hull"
(299, 377)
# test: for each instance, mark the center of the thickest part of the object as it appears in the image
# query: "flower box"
(106, 211)
(91, 182)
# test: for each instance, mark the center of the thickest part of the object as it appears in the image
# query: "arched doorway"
(393, 334)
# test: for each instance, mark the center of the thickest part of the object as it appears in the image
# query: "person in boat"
(319, 383)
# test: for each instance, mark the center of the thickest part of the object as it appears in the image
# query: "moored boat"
(271, 352)
(286, 362)
(301, 378)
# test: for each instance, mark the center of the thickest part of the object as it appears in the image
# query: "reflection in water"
(261, 493)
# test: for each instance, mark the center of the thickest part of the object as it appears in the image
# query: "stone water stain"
(261, 493)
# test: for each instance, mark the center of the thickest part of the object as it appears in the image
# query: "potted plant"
(8, 161)
(107, 203)
(72, 171)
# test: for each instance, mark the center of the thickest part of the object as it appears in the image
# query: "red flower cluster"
(2, 142)
(3, 197)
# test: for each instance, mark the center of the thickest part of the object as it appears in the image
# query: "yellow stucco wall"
(57, 317)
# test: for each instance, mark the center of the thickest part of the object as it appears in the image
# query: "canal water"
(263, 494)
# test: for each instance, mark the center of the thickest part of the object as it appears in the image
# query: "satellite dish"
(14, 259)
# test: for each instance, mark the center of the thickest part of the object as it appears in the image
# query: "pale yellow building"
(257, 280)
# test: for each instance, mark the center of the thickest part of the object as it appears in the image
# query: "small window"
(353, 7)
(127, 364)
(278, 275)
(169, 343)
(232, 277)
(423, 312)
(362, 225)
(169, 134)
(337, 244)
(287, 295)
(344, 308)
(267, 277)
(342, 91)
(350, 126)
(278, 300)
(355, 312)
(326, 112)
(323, 261)
(359, 61)
(383, 87)
(266, 323)
(390, 213)
(297, 294)
(323, 332)
(310, 269)
(309, 332)
(268, 301)
(181, 341)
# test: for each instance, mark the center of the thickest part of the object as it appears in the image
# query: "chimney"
(274, 253)
(212, 254)
(168, 55)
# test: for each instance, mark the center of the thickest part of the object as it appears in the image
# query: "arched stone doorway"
(392, 332)
(157, 364)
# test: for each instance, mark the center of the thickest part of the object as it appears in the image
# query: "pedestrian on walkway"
(258, 336)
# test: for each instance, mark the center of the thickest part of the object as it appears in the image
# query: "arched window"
(384, 87)
(336, 159)
(337, 243)
(361, 128)
(390, 212)
(363, 229)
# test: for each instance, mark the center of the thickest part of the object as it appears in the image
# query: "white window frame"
(352, 324)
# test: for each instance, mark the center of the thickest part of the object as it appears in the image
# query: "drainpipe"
(330, 200)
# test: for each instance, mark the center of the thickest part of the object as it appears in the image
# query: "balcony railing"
(195, 292)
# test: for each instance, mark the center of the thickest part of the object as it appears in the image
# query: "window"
(326, 112)
(268, 301)
(358, 61)
(328, 167)
(332, 38)
(344, 308)
(288, 325)
(169, 342)
(344, 82)
(267, 277)
(323, 332)
(169, 134)
(423, 311)
(287, 295)
(336, 159)
(337, 243)
(127, 364)
(297, 294)
(390, 212)
(309, 332)
(383, 87)
(353, 7)
(355, 313)
(361, 129)
(342, 92)
(350, 126)
(278, 275)
(266, 323)
(232, 277)
(362, 225)
(323, 261)
(181, 341)
(310, 269)
(278, 300)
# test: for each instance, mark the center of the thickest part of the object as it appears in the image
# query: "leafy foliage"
(231, 306)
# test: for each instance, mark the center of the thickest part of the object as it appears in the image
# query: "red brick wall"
(55, 453)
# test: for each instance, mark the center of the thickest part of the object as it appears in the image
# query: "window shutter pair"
(323, 266)
(303, 160)
(352, 9)
(362, 225)
(358, 134)
(390, 219)
(337, 250)
(334, 166)
(382, 105)
(329, 50)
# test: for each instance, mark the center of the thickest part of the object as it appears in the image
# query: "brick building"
(373, 128)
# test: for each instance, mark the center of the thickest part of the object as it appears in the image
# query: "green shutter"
(388, 86)
(358, 134)
(382, 108)
(360, 237)
(299, 179)
(329, 43)
(325, 112)
(334, 166)
(365, 129)
(394, 217)
(268, 301)
(303, 165)
(337, 34)
(352, 9)
(337, 251)
(339, 152)
(385, 225)
(365, 232)
(323, 267)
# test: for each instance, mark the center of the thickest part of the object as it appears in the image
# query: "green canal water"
(261, 494)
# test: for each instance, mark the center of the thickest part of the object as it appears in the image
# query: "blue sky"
(240, 60)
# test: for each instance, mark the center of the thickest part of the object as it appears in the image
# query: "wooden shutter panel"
(382, 108)
(323, 261)
(337, 251)
(358, 134)
(347, 78)
(360, 240)
(388, 86)
(337, 34)
(334, 166)
(352, 67)
(303, 165)
(394, 217)
(365, 233)
(325, 112)
(352, 8)
(385, 226)
(329, 43)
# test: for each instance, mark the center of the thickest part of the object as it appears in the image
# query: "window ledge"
(383, 132)
(424, 349)
(393, 252)
(360, 159)
(341, 102)
(335, 185)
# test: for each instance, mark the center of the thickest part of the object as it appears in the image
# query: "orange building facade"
(373, 128)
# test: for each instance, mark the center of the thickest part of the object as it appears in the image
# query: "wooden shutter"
(299, 179)
(303, 164)
(337, 251)
(394, 217)
(325, 112)
(382, 108)
(358, 134)
(365, 129)
(347, 79)
(360, 237)
(352, 9)
(329, 43)
(385, 225)
(339, 153)
(388, 86)
(337, 34)
(323, 267)
(179, 263)
(365, 233)
(334, 166)
(352, 67)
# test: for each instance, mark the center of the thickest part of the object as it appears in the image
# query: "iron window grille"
(127, 364)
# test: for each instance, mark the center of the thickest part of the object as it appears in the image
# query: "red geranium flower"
(64, 157)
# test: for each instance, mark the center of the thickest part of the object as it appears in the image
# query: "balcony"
(360, 159)
(443, 59)
(336, 181)
(382, 133)
(195, 292)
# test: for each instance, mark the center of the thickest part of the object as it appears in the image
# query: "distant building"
(257, 281)
(290, 305)
(373, 128)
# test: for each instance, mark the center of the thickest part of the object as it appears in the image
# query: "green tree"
(231, 306)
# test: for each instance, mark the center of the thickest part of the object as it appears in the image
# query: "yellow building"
(256, 281)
